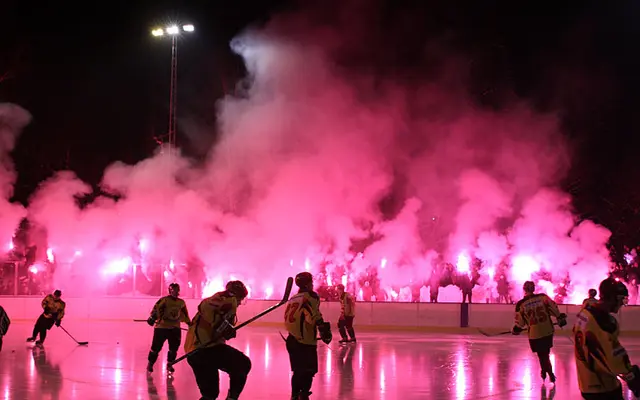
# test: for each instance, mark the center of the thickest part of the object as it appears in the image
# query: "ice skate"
(150, 367)
(353, 340)
(31, 339)
(39, 344)
(543, 375)
(552, 378)
(344, 341)
(170, 369)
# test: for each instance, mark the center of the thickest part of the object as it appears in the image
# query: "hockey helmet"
(613, 291)
(57, 293)
(237, 288)
(529, 287)
(340, 287)
(304, 279)
(593, 293)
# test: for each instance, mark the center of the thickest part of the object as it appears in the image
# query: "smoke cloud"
(325, 133)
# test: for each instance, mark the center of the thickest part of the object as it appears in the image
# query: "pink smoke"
(305, 157)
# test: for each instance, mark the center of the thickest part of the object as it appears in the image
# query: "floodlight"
(188, 28)
(173, 30)
(157, 32)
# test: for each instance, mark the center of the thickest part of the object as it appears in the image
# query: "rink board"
(369, 315)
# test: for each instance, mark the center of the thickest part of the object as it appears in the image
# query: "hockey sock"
(153, 357)
(171, 356)
(352, 333)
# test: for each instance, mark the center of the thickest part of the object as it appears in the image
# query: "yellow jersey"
(302, 316)
(600, 358)
(347, 305)
(589, 302)
(212, 311)
(535, 311)
(53, 308)
(169, 312)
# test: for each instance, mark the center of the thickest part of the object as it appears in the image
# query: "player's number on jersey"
(288, 313)
(536, 315)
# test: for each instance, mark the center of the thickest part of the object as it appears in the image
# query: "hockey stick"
(74, 339)
(493, 334)
(285, 298)
(144, 320)
(501, 333)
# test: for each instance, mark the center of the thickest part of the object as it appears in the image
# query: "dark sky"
(97, 83)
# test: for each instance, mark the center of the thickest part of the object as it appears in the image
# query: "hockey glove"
(325, 332)
(562, 322)
(58, 322)
(516, 330)
(151, 321)
(229, 333)
(633, 380)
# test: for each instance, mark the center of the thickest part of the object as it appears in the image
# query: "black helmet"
(529, 287)
(174, 286)
(238, 289)
(613, 290)
(340, 286)
(304, 279)
(57, 293)
(593, 293)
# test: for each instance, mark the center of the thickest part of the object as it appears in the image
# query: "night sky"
(96, 82)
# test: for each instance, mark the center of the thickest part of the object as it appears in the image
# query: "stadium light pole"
(173, 31)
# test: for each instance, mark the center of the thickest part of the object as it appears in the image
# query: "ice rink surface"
(381, 366)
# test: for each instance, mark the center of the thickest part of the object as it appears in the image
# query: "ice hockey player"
(4, 324)
(534, 311)
(591, 300)
(166, 315)
(211, 327)
(53, 313)
(347, 314)
(302, 318)
(600, 358)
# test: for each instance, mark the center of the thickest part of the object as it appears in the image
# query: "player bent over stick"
(215, 318)
(347, 314)
(600, 358)
(535, 311)
(53, 313)
(302, 317)
(166, 316)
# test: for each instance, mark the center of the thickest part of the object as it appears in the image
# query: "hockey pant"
(160, 335)
(43, 324)
(207, 363)
(345, 324)
(304, 364)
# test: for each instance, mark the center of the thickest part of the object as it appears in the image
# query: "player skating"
(347, 314)
(4, 324)
(600, 358)
(535, 311)
(591, 300)
(302, 318)
(166, 315)
(212, 326)
(53, 313)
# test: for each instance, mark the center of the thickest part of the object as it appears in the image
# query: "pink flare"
(523, 268)
(463, 265)
(50, 256)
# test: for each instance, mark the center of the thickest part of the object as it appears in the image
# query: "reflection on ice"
(390, 366)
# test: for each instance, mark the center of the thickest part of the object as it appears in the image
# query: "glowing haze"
(306, 156)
